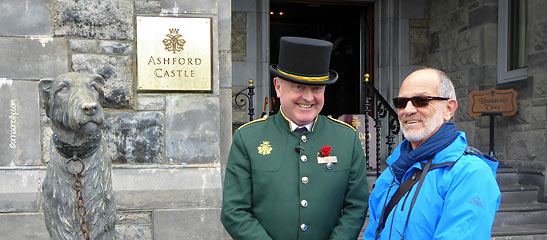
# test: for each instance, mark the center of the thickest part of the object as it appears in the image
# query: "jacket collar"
(285, 123)
(447, 155)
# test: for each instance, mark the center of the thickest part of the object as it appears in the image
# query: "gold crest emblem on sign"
(173, 42)
(355, 122)
(265, 148)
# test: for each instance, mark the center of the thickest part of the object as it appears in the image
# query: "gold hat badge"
(265, 148)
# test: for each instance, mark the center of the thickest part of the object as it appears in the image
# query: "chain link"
(82, 211)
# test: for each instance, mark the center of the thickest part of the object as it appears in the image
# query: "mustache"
(404, 119)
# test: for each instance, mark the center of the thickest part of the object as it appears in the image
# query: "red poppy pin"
(325, 151)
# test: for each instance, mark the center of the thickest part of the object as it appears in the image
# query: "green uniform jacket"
(274, 191)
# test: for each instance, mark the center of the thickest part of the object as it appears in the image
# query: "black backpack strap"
(403, 189)
(471, 150)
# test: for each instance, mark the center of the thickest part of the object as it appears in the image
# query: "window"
(512, 56)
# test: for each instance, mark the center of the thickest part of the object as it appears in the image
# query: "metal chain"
(75, 166)
(82, 211)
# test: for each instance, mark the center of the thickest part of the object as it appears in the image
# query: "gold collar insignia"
(265, 148)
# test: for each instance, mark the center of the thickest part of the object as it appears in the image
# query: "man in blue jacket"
(455, 194)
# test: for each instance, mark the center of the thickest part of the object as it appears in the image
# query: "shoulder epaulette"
(341, 122)
(254, 121)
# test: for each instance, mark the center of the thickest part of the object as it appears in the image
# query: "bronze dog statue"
(77, 199)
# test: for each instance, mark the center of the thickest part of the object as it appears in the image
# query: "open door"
(348, 27)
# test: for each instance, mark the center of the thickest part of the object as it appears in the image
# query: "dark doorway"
(346, 26)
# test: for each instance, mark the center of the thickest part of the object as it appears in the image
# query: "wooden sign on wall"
(493, 100)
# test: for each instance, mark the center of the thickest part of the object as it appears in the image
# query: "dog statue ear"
(45, 87)
(99, 80)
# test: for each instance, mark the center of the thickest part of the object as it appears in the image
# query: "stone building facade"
(168, 146)
(462, 39)
(459, 37)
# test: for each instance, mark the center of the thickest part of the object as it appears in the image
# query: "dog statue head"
(73, 103)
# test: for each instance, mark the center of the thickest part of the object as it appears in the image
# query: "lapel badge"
(265, 148)
(324, 157)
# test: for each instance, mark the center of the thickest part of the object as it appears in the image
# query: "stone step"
(520, 232)
(514, 193)
(510, 214)
(506, 177)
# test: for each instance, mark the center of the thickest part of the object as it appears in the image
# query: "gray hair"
(446, 87)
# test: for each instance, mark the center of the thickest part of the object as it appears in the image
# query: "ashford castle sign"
(174, 54)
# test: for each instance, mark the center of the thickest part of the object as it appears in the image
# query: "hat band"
(312, 79)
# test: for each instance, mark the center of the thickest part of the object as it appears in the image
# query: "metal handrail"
(382, 109)
(242, 98)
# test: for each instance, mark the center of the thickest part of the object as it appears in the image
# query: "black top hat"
(305, 61)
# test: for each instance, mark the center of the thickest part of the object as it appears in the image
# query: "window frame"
(504, 75)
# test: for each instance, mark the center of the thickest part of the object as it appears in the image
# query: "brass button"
(303, 158)
(304, 203)
(303, 227)
(304, 138)
(305, 180)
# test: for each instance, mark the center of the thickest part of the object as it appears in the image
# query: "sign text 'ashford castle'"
(174, 54)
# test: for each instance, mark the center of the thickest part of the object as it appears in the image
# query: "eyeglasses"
(417, 101)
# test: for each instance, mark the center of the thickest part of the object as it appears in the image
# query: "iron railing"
(245, 97)
(379, 109)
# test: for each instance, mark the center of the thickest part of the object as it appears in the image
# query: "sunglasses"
(417, 101)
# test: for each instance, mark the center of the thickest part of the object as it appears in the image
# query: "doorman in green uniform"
(296, 174)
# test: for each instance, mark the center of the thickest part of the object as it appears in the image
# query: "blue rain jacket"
(458, 199)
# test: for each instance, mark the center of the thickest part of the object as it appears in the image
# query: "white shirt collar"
(294, 126)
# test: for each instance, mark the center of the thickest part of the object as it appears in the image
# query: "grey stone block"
(526, 146)
(147, 7)
(192, 129)
(537, 62)
(24, 180)
(163, 187)
(84, 46)
(469, 39)
(483, 15)
(538, 117)
(20, 123)
(116, 71)
(94, 19)
(94, 46)
(225, 123)
(134, 225)
(450, 21)
(28, 226)
(463, 3)
(413, 9)
(133, 232)
(135, 137)
(183, 6)
(439, 7)
(225, 71)
(19, 202)
(195, 224)
(167, 199)
(224, 24)
(244, 5)
(481, 75)
(112, 47)
(418, 46)
(32, 58)
(150, 103)
(25, 18)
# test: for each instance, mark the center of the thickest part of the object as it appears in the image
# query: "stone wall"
(462, 41)
(168, 148)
